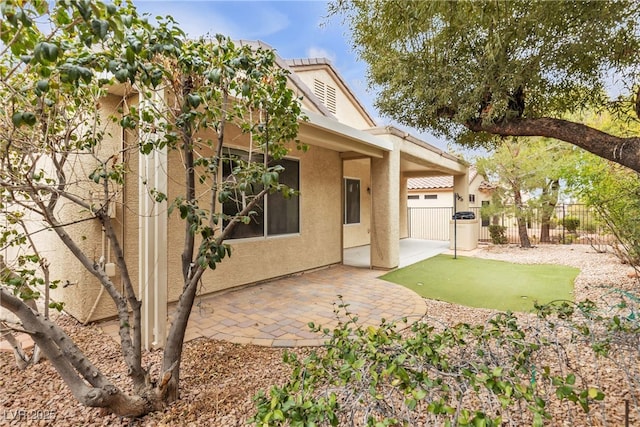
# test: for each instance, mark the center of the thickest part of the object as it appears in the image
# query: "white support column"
(152, 243)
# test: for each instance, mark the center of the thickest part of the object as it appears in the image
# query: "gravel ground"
(219, 379)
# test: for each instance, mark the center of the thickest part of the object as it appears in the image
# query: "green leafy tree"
(612, 191)
(480, 70)
(528, 167)
(58, 64)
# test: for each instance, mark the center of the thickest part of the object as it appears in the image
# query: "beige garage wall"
(359, 234)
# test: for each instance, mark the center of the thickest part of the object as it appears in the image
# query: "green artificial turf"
(477, 282)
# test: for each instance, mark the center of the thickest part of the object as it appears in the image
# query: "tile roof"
(437, 181)
(430, 182)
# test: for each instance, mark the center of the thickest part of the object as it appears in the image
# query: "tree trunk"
(522, 220)
(549, 203)
(545, 229)
(87, 384)
(173, 349)
(22, 360)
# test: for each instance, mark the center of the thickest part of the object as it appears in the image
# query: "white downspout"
(152, 240)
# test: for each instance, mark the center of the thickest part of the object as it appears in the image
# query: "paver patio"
(277, 313)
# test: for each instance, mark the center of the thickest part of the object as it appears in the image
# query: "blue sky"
(296, 29)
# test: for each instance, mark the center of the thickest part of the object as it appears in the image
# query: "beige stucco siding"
(359, 234)
(404, 225)
(79, 289)
(318, 243)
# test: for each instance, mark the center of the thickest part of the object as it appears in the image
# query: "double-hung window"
(274, 214)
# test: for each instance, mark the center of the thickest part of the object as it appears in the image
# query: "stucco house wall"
(253, 259)
(338, 150)
(260, 258)
(404, 217)
(78, 289)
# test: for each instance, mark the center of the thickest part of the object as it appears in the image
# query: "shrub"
(498, 234)
(592, 224)
(611, 191)
(502, 372)
(571, 224)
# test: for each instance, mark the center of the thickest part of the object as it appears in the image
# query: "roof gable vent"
(326, 94)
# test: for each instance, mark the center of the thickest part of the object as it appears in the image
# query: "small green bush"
(571, 224)
(498, 234)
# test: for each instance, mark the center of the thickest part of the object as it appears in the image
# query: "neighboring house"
(437, 191)
(353, 192)
(430, 202)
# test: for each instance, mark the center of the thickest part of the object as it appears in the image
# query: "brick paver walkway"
(277, 313)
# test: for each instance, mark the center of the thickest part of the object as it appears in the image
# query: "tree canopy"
(475, 71)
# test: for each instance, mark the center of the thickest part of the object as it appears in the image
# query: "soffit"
(329, 133)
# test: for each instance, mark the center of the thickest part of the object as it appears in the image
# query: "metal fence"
(569, 223)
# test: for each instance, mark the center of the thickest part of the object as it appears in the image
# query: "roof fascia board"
(345, 131)
(392, 130)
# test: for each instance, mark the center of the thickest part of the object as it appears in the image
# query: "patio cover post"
(385, 210)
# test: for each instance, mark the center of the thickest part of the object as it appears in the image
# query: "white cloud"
(318, 52)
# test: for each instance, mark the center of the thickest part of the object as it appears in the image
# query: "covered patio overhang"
(352, 143)
(393, 156)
